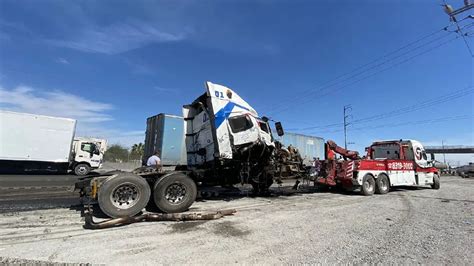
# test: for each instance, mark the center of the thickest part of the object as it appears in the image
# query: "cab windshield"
(386, 151)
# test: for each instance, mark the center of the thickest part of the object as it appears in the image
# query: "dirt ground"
(405, 226)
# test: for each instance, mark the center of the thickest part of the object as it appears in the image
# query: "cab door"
(265, 132)
(407, 166)
(86, 153)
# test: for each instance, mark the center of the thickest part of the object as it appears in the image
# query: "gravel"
(405, 226)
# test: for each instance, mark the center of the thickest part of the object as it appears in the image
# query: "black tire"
(436, 182)
(382, 184)
(123, 195)
(175, 192)
(82, 169)
(368, 185)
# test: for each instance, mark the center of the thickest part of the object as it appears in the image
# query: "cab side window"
(87, 147)
(264, 126)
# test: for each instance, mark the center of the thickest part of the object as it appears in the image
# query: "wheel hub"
(125, 196)
(368, 186)
(175, 193)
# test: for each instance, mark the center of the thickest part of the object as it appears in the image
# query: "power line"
(418, 106)
(419, 122)
(358, 69)
(377, 59)
(287, 106)
(407, 109)
(452, 16)
(373, 74)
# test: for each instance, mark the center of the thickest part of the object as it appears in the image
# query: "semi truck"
(38, 143)
(387, 163)
(225, 141)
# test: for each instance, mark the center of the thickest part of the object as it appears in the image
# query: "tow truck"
(386, 164)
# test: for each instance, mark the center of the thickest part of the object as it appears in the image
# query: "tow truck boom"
(347, 154)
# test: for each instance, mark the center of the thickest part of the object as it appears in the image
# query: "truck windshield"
(240, 123)
(387, 151)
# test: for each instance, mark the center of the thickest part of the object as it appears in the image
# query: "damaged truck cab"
(226, 141)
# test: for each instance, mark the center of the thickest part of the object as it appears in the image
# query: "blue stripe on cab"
(225, 112)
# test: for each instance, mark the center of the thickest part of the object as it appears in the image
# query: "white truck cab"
(233, 120)
(87, 154)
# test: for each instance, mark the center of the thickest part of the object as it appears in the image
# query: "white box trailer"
(35, 142)
(30, 142)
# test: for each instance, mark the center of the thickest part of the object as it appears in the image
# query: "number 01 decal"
(219, 94)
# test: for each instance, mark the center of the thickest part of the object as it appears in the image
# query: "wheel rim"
(82, 170)
(125, 196)
(175, 193)
(369, 186)
(383, 184)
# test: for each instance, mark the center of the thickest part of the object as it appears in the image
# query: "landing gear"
(261, 185)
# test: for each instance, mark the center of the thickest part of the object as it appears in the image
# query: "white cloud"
(62, 61)
(113, 136)
(55, 103)
(117, 38)
(91, 115)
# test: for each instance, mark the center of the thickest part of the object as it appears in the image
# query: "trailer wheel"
(123, 195)
(82, 169)
(436, 183)
(368, 185)
(382, 184)
(174, 193)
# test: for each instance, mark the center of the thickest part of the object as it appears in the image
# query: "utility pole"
(444, 154)
(452, 13)
(347, 108)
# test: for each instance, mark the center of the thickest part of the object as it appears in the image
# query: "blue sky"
(111, 64)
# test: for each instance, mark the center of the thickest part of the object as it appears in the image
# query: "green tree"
(116, 153)
(137, 151)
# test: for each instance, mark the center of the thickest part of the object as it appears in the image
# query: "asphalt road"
(33, 192)
(12, 181)
(405, 226)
